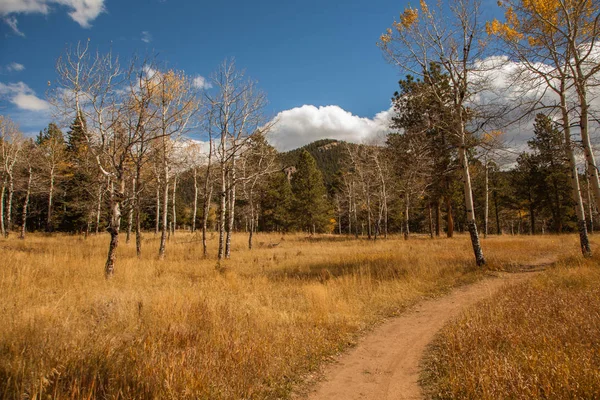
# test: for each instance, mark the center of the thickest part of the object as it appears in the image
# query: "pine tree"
(549, 149)
(82, 190)
(276, 204)
(311, 207)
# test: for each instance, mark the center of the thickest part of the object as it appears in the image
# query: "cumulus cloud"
(200, 82)
(302, 125)
(81, 11)
(12, 22)
(299, 126)
(146, 37)
(23, 97)
(15, 67)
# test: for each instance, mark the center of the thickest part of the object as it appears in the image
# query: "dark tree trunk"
(450, 219)
(479, 259)
(498, 228)
(430, 220)
(438, 218)
(138, 231)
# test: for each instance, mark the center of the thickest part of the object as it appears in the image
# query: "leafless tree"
(555, 46)
(236, 113)
(257, 161)
(11, 145)
(448, 34)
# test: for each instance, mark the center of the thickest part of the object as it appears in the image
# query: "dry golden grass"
(536, 340)
(180, 329)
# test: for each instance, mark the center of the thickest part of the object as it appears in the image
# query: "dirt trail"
(385, 363)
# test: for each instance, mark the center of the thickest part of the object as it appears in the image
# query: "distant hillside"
(330, 155)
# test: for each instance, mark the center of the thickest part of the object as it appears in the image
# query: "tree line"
(125, 164)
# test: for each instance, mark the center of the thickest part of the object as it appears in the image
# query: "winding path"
(385, 363)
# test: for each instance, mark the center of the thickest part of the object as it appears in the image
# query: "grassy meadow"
(536, 340)
(181, 329)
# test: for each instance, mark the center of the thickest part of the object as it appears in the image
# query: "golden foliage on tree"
(538, 20)
(407, 19)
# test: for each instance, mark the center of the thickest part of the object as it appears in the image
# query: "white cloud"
(302, 125)
(81, 11)
(146, 37)
(23, 97)
(200, 82)
(15, 67)
(30, 102)
(12, 22)
(84, 11)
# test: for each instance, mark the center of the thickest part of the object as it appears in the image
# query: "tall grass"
(180, 329)
(537, 340)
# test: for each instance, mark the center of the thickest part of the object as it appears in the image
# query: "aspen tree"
(555, 43)
(448, 34)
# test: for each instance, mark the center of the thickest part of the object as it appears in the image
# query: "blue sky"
(318, 54)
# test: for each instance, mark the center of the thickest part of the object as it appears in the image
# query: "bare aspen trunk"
(130, 212)
(174, 207)
(25, 205)
(206, 211)
(195, 210)
(369, 218)
(165, 226)
(376, 227)
(49, 225)
(350, 209)
(471, 224)
(222, 211)
(138, 230)
(113, 228)
(486, 211)
(355, 220)
(208, 188)
(2, 195)
(590, 204)
(585, 137)
(99, 208)
(157, 223)
(136, 202)
(232, 194)
(11, 192)
(574, 177)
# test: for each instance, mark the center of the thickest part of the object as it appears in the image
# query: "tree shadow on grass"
(380, 269)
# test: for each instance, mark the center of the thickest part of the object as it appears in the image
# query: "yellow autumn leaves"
(529, 20)
(535, 20)
(408, 18)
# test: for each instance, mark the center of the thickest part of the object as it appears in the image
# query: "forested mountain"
(330, 155)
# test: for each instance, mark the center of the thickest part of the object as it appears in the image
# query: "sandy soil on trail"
(385, 363)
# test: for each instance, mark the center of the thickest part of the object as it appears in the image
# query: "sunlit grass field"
(180, 328)
(536, 340)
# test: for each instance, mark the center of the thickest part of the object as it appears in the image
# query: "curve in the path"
(385, 363)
